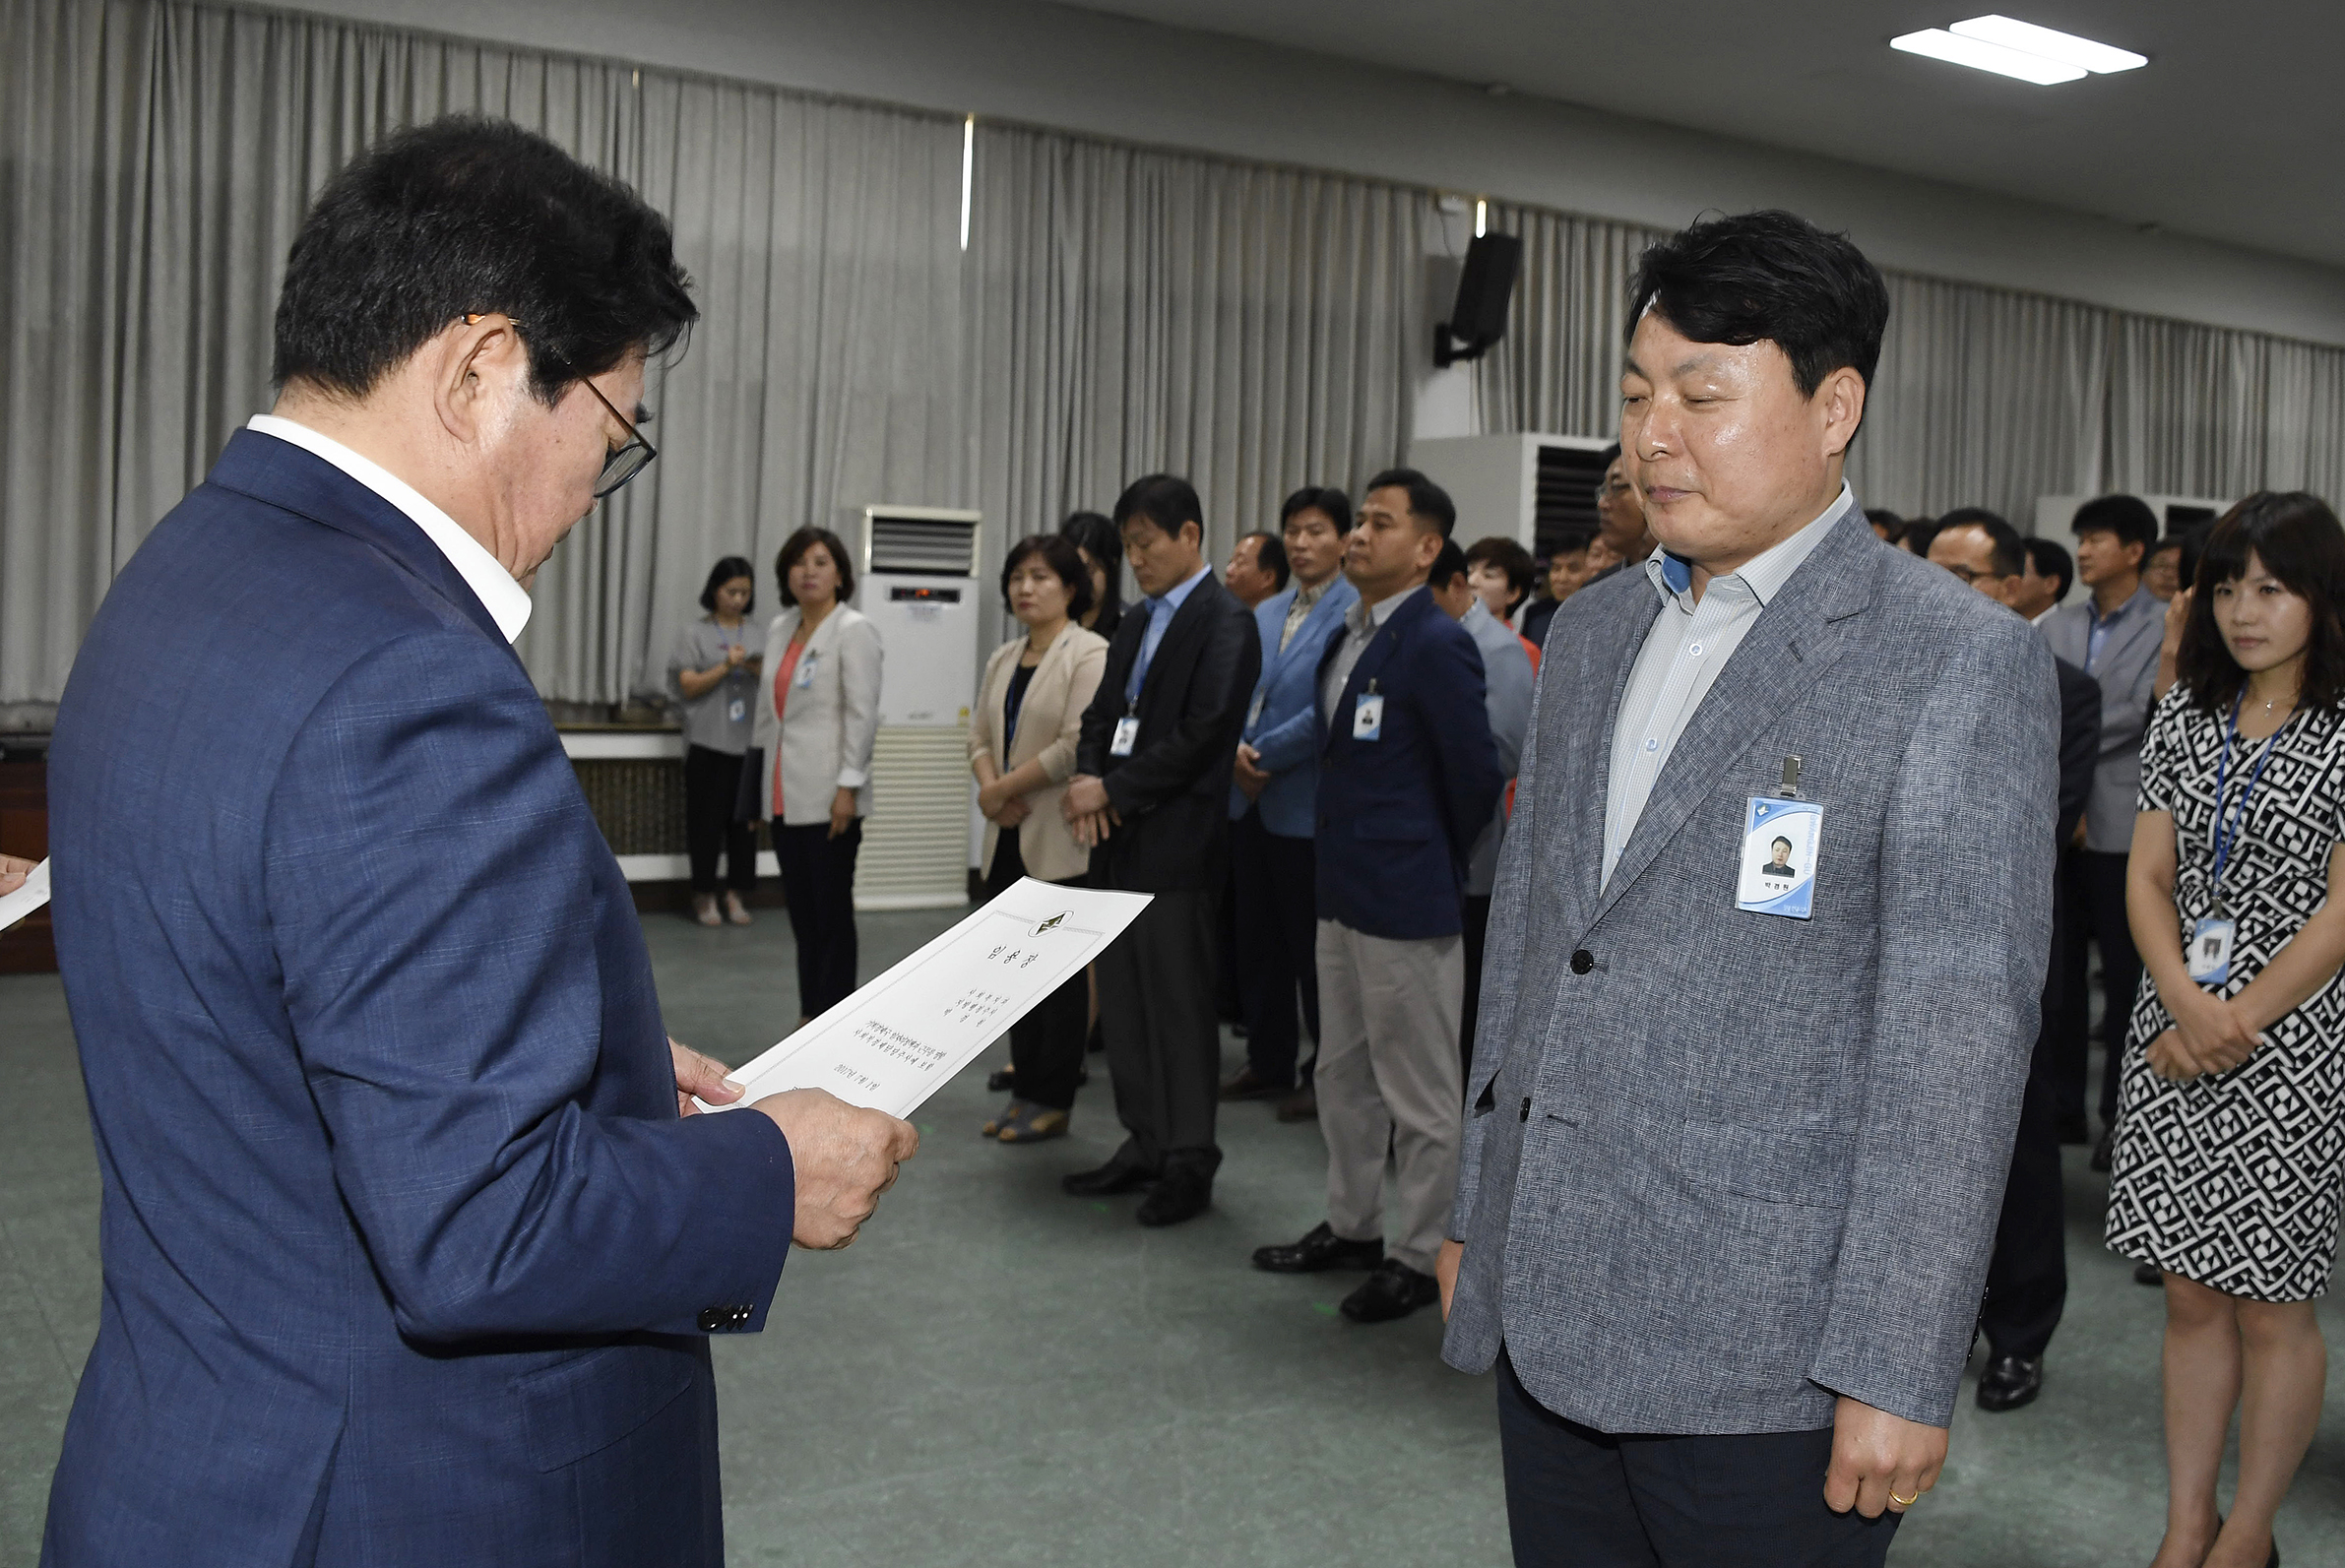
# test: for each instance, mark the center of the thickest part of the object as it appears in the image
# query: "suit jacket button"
(1582, 962)
(715, 1320)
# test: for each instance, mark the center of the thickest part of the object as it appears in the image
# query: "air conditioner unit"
(919, 586)
(1529, 488)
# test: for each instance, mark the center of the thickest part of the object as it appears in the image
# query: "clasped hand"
(2210, 1034)
(1089, 813)
(999, 807)
(1248, 772)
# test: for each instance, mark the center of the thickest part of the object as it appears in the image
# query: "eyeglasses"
(624, 461)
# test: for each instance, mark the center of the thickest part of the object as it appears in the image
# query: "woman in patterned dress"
(2229, 1141)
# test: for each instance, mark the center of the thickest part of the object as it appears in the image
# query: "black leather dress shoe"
(1177, 1195)
(1246, 1084)
(1104, 1182)
(1394, 1291)
(1321, 1250)
(2010, 1381)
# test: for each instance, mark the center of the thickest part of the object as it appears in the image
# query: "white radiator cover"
(916, 841)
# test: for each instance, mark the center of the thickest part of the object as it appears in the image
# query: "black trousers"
(1277, 933)
(2097, 897)
(1047, 1045)
(712, 782)
(1580, 1498)
(818, 880)
(1164, 1043)
(1476, 910)
(2027, 1276)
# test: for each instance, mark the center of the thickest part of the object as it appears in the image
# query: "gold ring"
(1905, 1502)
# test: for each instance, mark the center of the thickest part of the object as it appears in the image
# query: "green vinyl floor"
(998, 1374)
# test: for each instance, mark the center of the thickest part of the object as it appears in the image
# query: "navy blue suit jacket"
(407, 1252)
(1398, 816)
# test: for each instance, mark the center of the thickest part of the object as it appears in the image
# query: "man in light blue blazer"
(410, 1247)
(1734, 1150)
(1271, 796)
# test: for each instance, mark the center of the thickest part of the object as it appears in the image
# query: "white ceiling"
(2234, 130)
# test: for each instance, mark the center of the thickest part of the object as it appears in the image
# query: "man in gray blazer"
(2111, 635)
(1735, 1151)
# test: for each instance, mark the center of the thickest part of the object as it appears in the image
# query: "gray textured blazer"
(1720, 1167)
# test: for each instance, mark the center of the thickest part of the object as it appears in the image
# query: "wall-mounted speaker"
(1477, 320)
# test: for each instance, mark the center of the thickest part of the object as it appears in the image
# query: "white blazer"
(1050, 723)
(821, 743)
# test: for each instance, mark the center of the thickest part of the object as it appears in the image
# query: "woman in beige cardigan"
(1022, 748)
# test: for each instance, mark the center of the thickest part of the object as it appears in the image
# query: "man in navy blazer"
(1272, 800)
(410, 1247)
(1407, 780)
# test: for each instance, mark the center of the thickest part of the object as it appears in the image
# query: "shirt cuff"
(852, 777)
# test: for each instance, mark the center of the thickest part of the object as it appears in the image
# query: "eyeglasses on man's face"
(624, 461)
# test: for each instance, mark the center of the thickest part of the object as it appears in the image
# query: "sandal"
(1007, 1116)
(1032, 1124)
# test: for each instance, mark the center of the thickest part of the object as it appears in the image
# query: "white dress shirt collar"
(1764, 574)
(505, 599)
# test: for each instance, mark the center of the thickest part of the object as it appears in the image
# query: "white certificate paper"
(900, 1039)
(24, 901)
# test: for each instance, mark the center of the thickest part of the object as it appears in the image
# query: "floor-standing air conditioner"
(919, 586)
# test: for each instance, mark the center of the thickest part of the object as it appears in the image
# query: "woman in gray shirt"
(713, 675)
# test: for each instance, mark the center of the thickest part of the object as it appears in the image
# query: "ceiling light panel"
(1979, 54)
(2065, 48)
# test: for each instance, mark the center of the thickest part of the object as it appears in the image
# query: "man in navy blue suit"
(411, 1244)
(1407, 780)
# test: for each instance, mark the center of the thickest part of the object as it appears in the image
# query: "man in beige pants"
(1407, 777)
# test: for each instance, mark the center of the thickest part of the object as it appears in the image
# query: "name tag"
(805, 675)
(1777, 874)
(2210, 950)
(737, 710)
(1367, 717)
(1127, 735)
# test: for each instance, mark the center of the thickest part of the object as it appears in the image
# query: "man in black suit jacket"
(2027, 1278)
(1150, 797)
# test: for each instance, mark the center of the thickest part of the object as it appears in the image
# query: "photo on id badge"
(1779, 847)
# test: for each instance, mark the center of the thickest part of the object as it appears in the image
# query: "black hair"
(724, 572)
(2052, 559)
(1780, 838)
(469, 214)
(2193, 543)
(795, 548)
(2297, 539)
(1571, 541)
(1058, 552)
(1917, 533)
(1096, 537)
(1319, 498)
(2128, 517)
(2009, 554)
(1270, 553)
(1609, 456)
(1769, 277)
(1885, 523)
(1427, 500)
(1448, 566)
(1512, 559)
(1165, 500)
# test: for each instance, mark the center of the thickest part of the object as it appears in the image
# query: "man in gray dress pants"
(1736, 1149)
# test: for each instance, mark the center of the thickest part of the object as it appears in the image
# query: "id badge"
(2210, 950)
(1367, 717)
(1777, 875)
(804, 680)
(1127, 735)
(737, 710)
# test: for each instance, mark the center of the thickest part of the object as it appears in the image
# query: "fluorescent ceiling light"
(2065, 48)
(1939, 44)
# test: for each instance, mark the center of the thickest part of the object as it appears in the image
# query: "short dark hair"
(1058, 552)
(2126, 516)
(2297, 539)
(1270, 553)
(2052, 559)
(470, 215)
(1448, 566)
(1571, 541)
(1512, 559)
(1780, 838)
(795, 548)
(1165, 500)
(724, 572)
(1427, 500)
(1888, 522)
(2008, 556)
(1917, 533)
(1319, 498)
(1769, 277)
(1609, 456)
(2171, 542)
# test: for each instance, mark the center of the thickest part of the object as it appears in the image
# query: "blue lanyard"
(2224, 833)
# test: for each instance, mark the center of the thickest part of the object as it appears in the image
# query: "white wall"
(1076, 70)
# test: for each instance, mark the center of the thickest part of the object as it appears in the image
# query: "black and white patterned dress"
(2233, 1180)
